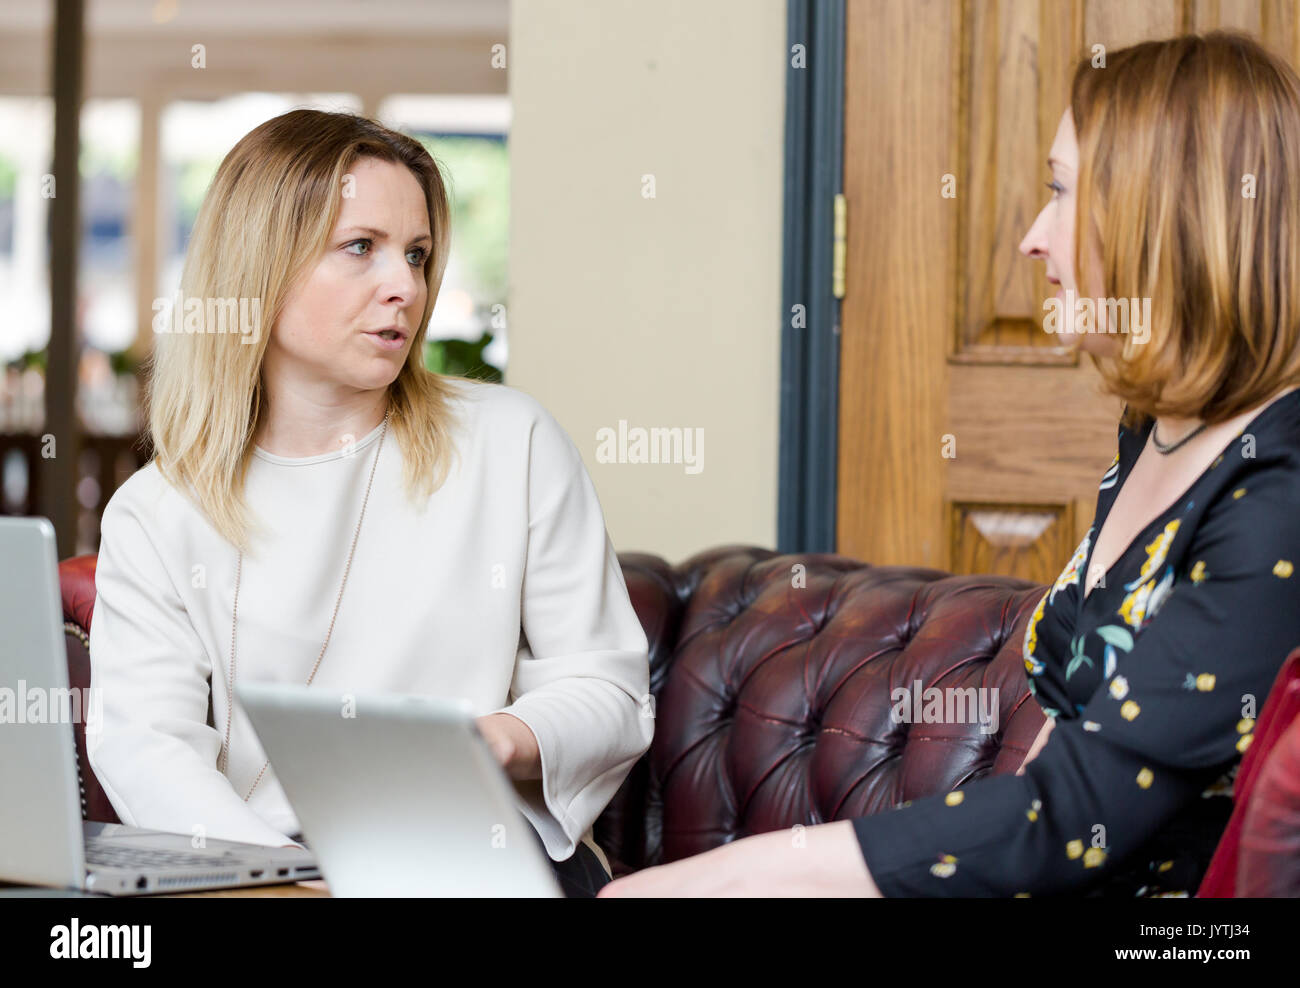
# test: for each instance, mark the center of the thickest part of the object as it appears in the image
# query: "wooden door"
(969, 441)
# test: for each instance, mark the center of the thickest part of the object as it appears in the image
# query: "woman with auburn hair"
(1185, 180)
(483, 568)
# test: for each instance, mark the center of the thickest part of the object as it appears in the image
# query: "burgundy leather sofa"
(772, 677)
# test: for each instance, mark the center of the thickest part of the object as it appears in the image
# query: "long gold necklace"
(239, 565)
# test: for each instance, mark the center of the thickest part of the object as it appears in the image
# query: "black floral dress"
(1154, 679)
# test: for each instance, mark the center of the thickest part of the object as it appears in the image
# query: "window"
(467, 137)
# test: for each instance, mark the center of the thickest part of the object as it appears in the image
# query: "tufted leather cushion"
(773, 679)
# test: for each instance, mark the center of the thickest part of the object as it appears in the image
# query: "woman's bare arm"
(821, 860)
(1037, 746)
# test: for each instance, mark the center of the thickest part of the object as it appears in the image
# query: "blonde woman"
(1156, 647)
(322, 509)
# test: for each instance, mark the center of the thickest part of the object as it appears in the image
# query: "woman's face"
(370, 278)
(1051, 239)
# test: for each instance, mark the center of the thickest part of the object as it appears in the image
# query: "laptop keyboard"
(113, 855)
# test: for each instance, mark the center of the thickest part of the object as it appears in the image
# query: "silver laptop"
(398, 795)
(43, 839)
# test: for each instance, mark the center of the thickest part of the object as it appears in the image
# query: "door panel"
(969, 440)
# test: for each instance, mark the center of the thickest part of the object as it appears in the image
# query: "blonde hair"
(1172, 134)
(264, 222)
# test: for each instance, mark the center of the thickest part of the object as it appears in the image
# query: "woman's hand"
(822, 860)
(1037, 746)
(513, 744)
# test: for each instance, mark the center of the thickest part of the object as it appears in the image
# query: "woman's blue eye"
(422, 253)
(1055, 186)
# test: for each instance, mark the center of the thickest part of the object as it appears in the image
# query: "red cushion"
(1258, 781)
(1269, 865)
(77, 582)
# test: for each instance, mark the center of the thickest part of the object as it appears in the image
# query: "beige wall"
(664, 311)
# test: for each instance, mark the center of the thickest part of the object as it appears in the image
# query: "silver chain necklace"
(1163, 448)
(239, 565)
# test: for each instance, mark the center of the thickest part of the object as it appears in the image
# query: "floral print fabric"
(1154, 680)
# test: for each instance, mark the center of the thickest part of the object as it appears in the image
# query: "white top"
(505, 590)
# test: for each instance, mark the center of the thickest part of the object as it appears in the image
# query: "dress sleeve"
(153, 750)
(582, 676)
(1176, 711)
(1053, 616)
